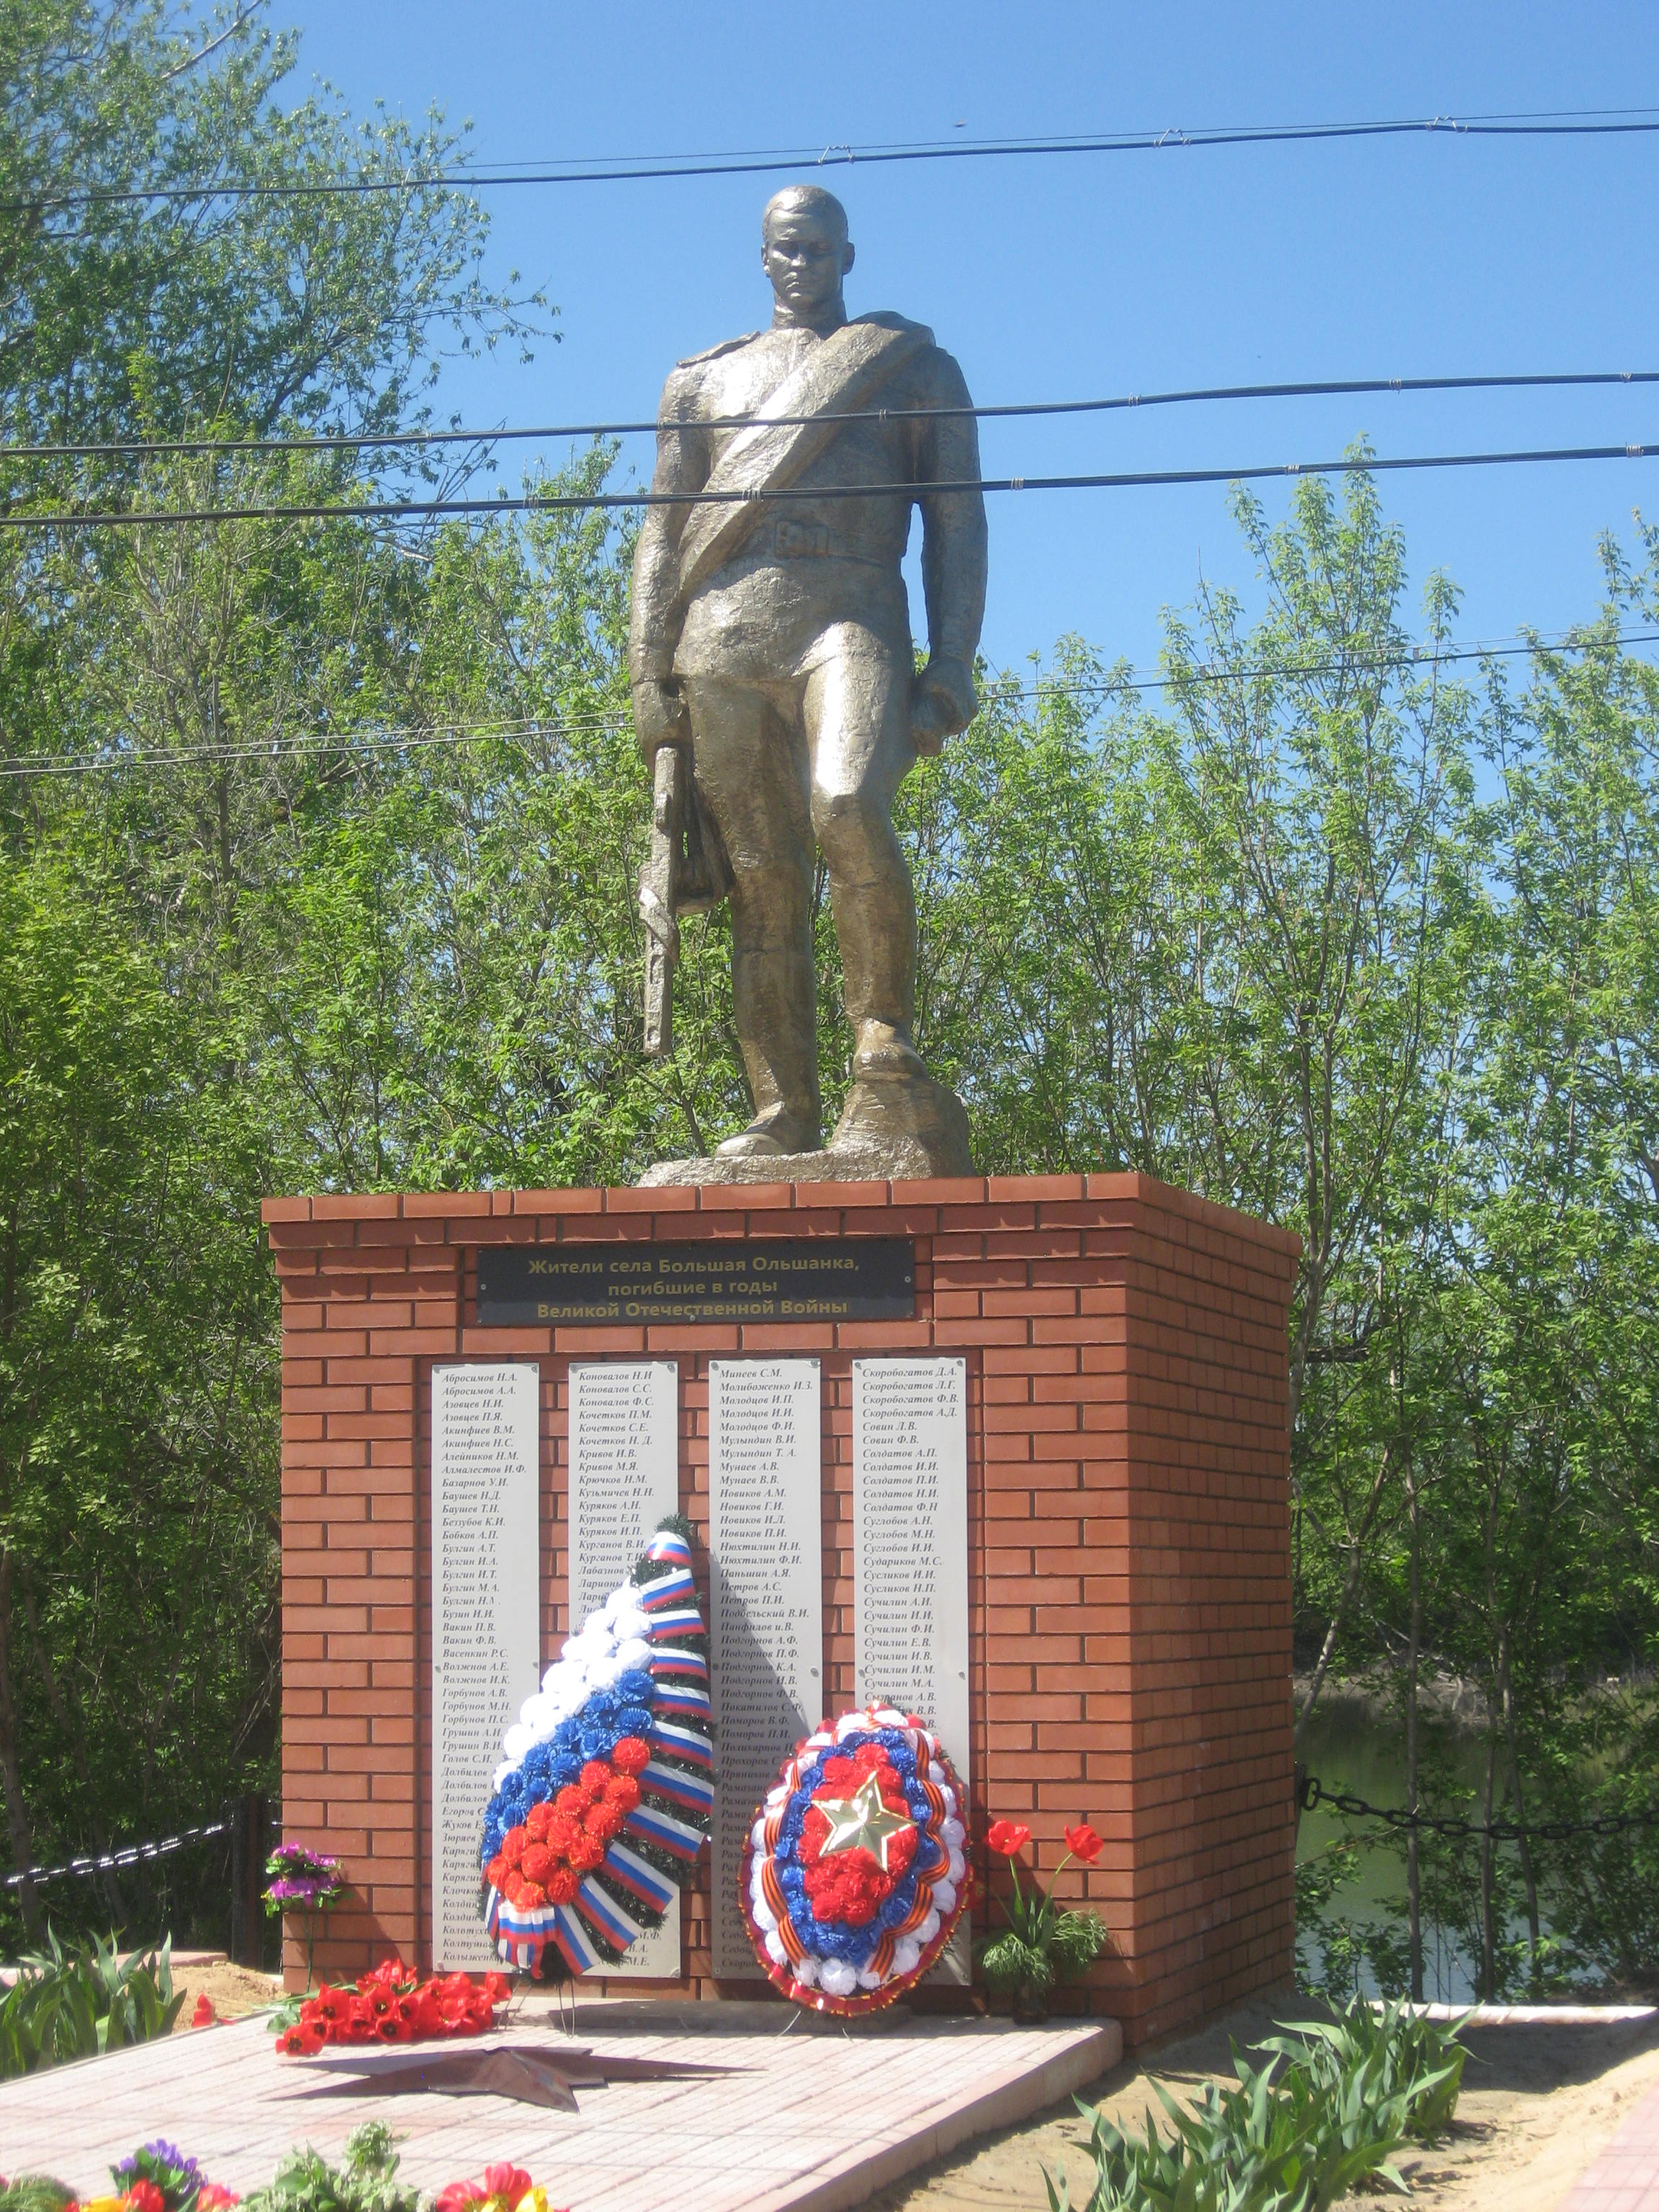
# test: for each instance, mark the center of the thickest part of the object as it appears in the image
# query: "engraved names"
(486, 1637)
(765, 1480)
(624, 1470)
(910, 1552)
(624, 1478)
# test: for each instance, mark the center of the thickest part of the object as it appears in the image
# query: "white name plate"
(486, 1620)
(910, 1553)
(765, 1514)
(624, 1478)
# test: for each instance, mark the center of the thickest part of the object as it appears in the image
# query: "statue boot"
(896, 1112)
(769, 1134)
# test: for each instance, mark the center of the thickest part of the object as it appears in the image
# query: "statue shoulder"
(683, 389)
(715, 352)
(931, 371)
(884, 321)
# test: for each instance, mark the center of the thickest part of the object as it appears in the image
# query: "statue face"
(806, 254)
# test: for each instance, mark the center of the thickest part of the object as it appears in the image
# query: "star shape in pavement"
(861, 1823)
(532, 2074)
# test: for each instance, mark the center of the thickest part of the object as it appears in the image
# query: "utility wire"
(1588, 123)
(586, 502)
(521, 728)
(364, 440)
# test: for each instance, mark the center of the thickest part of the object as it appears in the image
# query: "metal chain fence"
(1312, 1792)
(130, 1855)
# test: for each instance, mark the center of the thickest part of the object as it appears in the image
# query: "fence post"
(247, 1866)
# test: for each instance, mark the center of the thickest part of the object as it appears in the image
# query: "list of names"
(910, 1552)
(765, 1472)
(486, 1641)
(624, 1470)
(624, 1478)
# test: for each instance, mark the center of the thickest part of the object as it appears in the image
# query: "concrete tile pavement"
(1625, 2178)
(800, 2122)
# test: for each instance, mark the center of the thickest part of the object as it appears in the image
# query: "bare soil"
(1538, 2104)
(233, 1991)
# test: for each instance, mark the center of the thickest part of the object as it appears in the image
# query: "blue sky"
(1093, 275)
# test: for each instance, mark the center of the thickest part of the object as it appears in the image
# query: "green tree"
(128, 312)
(137, 1405)
(138, 1539)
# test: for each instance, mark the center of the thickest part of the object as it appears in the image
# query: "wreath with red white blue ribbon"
(854, 1874)
(604, 1798)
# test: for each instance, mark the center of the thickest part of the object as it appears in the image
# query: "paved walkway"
(1625, 2177)
(809, 2121)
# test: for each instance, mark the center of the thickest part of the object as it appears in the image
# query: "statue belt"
(795, 538)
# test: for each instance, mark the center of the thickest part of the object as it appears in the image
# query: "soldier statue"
(771, 638)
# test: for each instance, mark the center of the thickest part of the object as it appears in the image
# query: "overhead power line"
(584, 503)
(1585, 122)
(367, 441)
(520, 729)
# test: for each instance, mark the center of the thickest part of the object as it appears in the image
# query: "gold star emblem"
(861, 1823)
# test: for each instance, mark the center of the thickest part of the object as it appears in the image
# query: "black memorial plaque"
(779, 1278)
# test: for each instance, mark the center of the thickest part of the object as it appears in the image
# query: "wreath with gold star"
(852, 1876)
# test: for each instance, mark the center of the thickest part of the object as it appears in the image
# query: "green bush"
(36, 2192)
(1323, 2115)
(80, 2002)
(1385, 2052)
(366, 2182)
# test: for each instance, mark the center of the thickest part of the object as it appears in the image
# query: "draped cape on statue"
(839, 376)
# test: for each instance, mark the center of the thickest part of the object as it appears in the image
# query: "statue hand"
(660, 716)
(942, 701)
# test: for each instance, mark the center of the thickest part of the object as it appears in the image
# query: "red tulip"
(508, 2181)
(1007, 1838)
(1083, 1843)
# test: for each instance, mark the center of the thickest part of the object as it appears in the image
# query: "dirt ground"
(1538, 2104)
(233, 1991)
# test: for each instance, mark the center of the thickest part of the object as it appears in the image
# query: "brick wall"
(1129, 1571)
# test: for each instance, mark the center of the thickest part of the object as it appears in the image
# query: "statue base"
(894, 1129)
(1126, 1522)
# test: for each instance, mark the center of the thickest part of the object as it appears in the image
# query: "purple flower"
(300, 1877)
(164, 2164)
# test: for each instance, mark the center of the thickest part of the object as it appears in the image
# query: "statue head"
(805, 253)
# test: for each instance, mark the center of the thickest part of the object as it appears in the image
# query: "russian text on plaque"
(486, 1619)
(774, 1278)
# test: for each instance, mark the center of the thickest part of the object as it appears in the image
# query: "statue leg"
(858, 724)
(897, 1121)
(750, 762)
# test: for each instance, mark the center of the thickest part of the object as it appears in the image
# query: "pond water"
(1360, 1754)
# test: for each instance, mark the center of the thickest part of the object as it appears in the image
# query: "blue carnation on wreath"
(602, 1803)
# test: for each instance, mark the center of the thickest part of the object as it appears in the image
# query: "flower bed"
(159, 2178)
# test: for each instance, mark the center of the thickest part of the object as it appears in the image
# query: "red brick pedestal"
(1130, 1565)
